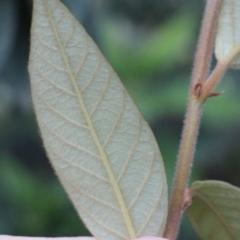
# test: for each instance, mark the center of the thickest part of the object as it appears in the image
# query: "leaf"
(215, 210)
(228, 31)
(103, 152)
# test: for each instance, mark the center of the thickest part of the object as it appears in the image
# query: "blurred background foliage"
(150, 44)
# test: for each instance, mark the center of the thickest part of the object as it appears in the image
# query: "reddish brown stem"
(193, 116)
(205, 42)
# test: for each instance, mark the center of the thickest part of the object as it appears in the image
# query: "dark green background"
(150, 44)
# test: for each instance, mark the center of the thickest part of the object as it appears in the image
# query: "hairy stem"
(192, 119)
(205, 42)
(183, 169)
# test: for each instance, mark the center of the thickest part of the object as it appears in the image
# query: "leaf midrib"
(92, 130)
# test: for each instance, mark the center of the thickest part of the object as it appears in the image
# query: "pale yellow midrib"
(104, 158)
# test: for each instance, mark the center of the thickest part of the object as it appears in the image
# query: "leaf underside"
(103, 152)
(228, 31)
(215, 210)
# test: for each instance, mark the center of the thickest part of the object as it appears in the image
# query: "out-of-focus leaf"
(78, 8)
(229, 101)
(5, 99)
(8, 27)
(215, 210)
(158, 49)
(167, 45)
(228, 32)
(102, 150)
(41, 205)
(170, 99)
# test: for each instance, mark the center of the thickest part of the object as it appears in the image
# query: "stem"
(183, 169)
(206, 42)
(192, 119)
(216, 75)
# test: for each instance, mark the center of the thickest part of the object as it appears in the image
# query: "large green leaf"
(215, 210)
(103, 152)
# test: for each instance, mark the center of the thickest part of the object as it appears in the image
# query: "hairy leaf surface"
(215, 210)
(103, 152)
(228, 31)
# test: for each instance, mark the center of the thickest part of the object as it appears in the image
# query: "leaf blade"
(83, 111)
(213, 211)
(228, 34)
